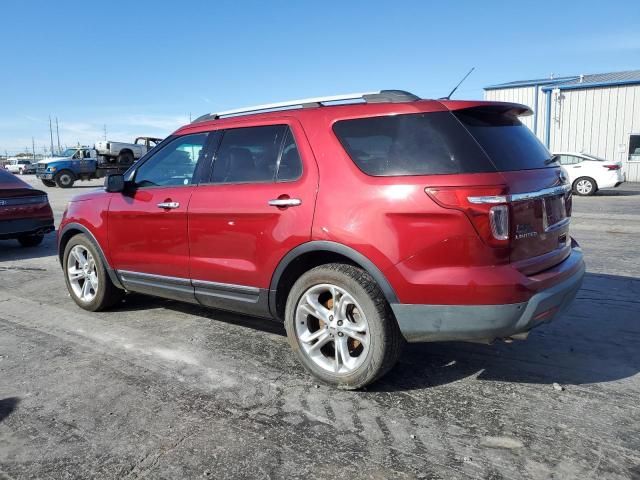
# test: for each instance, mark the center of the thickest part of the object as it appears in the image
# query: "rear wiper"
(551, 160)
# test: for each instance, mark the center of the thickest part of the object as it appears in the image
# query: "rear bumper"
(485, 323)
(25, 226)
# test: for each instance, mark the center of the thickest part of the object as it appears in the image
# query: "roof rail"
(381, 96)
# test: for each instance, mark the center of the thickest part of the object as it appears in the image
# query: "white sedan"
(588, 173)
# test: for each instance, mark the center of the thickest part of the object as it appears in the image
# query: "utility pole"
(51, 134)
(58, 134)
(33, 149)
(105, 132)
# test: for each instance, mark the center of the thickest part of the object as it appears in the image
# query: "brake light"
(486, 207)
(612, 167)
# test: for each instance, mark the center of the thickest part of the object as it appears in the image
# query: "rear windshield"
(509, 144)
(470, 141)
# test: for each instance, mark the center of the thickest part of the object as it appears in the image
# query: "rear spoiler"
(508, 108)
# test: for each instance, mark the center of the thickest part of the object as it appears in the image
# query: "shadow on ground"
(7, 406)
(595, 341)
(11, 250)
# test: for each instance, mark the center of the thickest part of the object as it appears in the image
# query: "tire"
(125, 158)
(48, 183)
(31, 240)
(101, 292)
(368, 317)
(65, 179)
(21, 171)
(585, 186)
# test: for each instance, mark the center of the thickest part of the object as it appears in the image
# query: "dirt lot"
(159, 389)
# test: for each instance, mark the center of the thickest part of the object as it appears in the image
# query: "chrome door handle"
(168, 205)
(285, 202)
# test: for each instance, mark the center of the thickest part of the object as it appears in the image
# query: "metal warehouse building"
(597, 114)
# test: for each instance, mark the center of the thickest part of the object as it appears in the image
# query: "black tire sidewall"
(59, 176)
(373, 366)
(31, 240)
(103, 277)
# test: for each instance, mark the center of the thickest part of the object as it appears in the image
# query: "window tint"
(415, 144)
(290, 166)
(174, 164)
(508, 143)
(569, 160)
(249, 154)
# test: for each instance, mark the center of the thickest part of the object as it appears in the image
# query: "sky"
(142, 68)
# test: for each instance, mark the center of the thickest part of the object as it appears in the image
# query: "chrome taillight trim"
(16, 201)
(518, 197)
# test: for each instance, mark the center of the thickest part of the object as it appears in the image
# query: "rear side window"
(508, 143)
(257, 154)
(415, 144)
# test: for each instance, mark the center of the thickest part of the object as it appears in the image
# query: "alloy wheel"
(82, 273)
(332, 329)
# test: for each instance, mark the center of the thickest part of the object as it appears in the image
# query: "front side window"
(173, 165)
(251, 154)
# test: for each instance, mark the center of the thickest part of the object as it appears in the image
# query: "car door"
(257, 206)
(147, 223)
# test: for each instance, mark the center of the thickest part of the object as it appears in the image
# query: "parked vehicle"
(126, 153)
(25, 213)
(359, 225)
(18, 165)
(78, 163)
(588, 173)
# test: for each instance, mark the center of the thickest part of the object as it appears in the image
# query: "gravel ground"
(159, 389)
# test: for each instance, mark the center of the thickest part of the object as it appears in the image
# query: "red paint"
(430, 254)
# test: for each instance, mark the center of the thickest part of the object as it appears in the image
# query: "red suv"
(361, 221)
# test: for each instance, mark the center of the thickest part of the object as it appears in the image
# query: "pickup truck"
(125, 153)
(17, 165)
(78, 163)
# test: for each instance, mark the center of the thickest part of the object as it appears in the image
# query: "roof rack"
(381, 96)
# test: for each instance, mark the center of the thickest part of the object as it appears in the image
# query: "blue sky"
(142, 67)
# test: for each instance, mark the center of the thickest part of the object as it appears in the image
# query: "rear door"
(257, 206)
(148, 222)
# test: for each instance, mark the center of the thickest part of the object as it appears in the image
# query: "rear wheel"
(125, 158)
(30, 240)
(65, 179)
(341, 327)
(48, 183)
(585, 186)
(86, 276)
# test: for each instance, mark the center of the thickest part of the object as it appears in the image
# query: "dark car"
(25, 213)
(359, 225)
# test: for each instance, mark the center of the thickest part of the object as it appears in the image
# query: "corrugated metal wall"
(592, 120)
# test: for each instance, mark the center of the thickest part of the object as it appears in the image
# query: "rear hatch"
(19, 200)
(536, 190)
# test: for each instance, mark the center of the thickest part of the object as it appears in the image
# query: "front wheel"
(65, 179)
(48, 183)
(341, 327)
(86, 276)
(585, 186)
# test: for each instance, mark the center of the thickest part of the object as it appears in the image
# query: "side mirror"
(114, 183)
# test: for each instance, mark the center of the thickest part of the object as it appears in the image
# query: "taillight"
(612, 167)
(486, 207)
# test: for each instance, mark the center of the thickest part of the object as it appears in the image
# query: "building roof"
(629, 77)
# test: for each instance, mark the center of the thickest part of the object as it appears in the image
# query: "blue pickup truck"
(78, 163)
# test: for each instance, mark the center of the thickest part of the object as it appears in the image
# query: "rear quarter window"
(414, 144)
(509, 144)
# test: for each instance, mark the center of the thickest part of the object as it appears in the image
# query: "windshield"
(69, 152)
